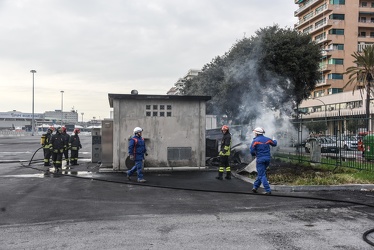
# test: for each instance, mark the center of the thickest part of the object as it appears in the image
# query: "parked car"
(348, 142)
(328, 145)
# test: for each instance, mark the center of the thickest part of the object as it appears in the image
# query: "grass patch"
(290, 172)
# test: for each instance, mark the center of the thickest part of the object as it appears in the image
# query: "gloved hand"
(131, 157)
(80, 146)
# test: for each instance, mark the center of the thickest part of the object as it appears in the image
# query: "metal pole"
(33, 116)
(62, 105)
(82, 116)
(325, 110)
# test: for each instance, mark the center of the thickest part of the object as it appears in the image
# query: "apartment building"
(178, 86)
(341, 27)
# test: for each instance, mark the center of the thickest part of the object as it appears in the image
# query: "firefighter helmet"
(76, 131)
(50, 129)
(137, 130)
(59, 130)
(63, 129)
(259, 131)
(225, 128)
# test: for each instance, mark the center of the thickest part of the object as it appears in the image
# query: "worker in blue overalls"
(136, 151)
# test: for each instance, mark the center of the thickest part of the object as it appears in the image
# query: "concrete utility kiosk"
(174, 128)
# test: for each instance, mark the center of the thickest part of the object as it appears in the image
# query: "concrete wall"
(185, 128)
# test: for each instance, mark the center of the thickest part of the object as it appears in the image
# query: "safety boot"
(228, 175)
(219, 177)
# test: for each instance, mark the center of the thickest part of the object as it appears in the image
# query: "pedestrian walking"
(57, 145)
(224, 154)
(74, 146)
(66, 148)
(136, 151)
(45, 141)
(260, 148)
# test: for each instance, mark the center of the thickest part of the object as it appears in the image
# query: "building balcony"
(365, 39)
(337, 83)
(366, 10)
(306, 7)
(365, 24)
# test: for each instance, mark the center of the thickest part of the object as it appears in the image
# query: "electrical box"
(107, 142)
(96, 145)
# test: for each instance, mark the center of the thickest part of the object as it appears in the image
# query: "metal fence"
(335, 140)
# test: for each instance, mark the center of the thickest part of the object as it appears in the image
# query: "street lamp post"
(33, 117)
(324, 104)
(82, 116)
(62, 105)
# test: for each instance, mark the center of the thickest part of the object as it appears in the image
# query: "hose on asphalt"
(365, 235)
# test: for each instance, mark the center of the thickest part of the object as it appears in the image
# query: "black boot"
(219, 177)
(228, 175)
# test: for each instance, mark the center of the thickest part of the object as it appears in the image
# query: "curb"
(285, 188)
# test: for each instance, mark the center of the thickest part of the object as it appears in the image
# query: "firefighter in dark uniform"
(74, 146)
(57, 146)
(66, 149)
(45, 140)
(224, 154)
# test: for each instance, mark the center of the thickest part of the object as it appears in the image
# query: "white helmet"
(259, 131)
(137, 130)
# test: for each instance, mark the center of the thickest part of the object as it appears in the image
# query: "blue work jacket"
(137, 148)
(260, 148)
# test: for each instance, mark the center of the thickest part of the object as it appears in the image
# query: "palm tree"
(362, 74)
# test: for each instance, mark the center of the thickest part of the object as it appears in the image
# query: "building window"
(147, 107)
(335, 76)
(338, 46)
(371, 34)
(363, 34)
(154, 114)
(148, 113)
(168, 114)
(337, 61)
(337, 16)
(335, 91)
(336, 31)
(168, 107)
(337, 2)
(155, 107)
(162, 107)
(162, 113)
(364, 4)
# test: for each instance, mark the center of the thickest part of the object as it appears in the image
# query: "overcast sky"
(89, 48)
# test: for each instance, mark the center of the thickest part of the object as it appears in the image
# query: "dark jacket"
(74, 142)
(225, 144)
(57, 143)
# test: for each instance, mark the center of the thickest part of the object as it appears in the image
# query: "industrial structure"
(174, 128)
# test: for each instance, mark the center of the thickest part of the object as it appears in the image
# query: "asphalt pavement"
(90, 207)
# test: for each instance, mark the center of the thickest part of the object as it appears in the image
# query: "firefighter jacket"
(45, 140)
(225, 144)
(57, 143)
(74, 142)
(137, 148)
(66, 140)
(260, 148)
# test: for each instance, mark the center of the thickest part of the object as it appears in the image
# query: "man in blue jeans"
(260, 148)
(136, 151)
